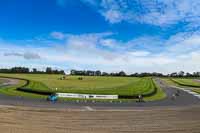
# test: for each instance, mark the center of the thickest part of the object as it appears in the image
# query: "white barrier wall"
(74, 95)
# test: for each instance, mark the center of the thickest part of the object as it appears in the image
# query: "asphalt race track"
(184, 99)
(22, 115)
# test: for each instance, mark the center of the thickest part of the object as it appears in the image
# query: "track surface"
(185, 99)
(40, 116)
(34, 120)
(7, 82)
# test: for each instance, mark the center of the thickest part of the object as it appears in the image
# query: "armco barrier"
(86, 96)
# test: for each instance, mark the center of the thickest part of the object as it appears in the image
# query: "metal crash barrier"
(86, 96)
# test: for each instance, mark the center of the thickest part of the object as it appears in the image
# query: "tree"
(181, 73)
(196, 74)
(104, 74)
(34, 70)
(173, 74)
(48, 70)
(73, 72)
(19, 70)
(122, 73)
(98, 73)
(188, 74)
(62, 72)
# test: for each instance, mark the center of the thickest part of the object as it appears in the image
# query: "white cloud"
(155, 12)
(131, 56)
(184, 43)
(58, 35)
(26, 55)
(113, 16)
(87, 51)
(140, 53)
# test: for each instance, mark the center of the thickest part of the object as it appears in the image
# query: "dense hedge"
(34, 91)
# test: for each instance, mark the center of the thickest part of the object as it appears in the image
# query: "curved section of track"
(8, 82)
(185, 99)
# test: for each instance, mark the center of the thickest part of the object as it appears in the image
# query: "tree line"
(184, 74)
(121, 73)
(95, 73)
(48, 70)
(144, 74)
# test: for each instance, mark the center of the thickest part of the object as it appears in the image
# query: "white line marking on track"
(89, 108)
(188, 91)
(197, 96)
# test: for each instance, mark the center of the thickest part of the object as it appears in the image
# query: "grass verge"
(186, 82)
(11, 90)
(159, 95)
(196, 90)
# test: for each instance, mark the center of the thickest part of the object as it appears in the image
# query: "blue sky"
(110, 35)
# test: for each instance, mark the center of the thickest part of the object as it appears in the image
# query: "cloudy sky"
(109, 35)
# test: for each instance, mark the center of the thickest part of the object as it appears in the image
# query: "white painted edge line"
(188, 91)
(89, 108)
(180, 88)
(192, 92)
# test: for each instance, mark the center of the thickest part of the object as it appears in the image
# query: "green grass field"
(175, 83)
(127, 86)
(1, 81)
(11, 90)
(186, 82)
(196, 90)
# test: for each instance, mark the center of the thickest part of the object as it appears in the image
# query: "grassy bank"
(89, 85)
(186, 82)
(1, 81)
(127, 86)
(196, 90)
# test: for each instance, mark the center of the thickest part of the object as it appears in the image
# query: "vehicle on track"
(52, 98)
